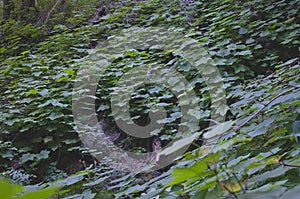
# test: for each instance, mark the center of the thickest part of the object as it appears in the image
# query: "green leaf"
(222, 110)
(2, 50)
(73, 179)
(183, 174)
(48, 139)
(27, 157)
(179, 144)
(245, 52)
(218, 129)
(243, 31)
(272, 194)
(9, 190)
(55, 115)
(32, 92)
(268, 174)
(44, 154)
(41, 194)
(293, 193)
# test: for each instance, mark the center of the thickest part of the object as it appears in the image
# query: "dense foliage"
(255, 46)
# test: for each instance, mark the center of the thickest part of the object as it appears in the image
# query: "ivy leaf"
(55, 115)
(69, 180)
(261, 128)
(44, 154)
(271, 194)
(293, 193)
(44, 92)
(27, 157)
(243, 31)
(245, 52)
(48, 139)
(32, 92)
(222, 110)
(218, 129)
(183, 174)
(178, 144)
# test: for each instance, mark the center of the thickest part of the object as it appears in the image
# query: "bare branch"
(265, 105)
(52, 9)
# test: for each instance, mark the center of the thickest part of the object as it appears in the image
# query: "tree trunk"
(8, 7)
(29, 11)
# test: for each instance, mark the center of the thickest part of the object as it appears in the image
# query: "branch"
(220, 183)
(52, 9)
(281, 162)
(264, 106)
(288, 165)
(256, 113)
